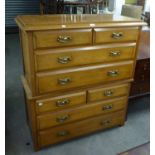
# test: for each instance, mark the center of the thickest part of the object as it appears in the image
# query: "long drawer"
(57, 38)
(71, 78)
(70, 57)
(69, 131)
(108, 35)
(60, 102)
(53, 119)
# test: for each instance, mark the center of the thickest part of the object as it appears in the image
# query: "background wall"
(19, 7)
(130, 1)
(118, 6)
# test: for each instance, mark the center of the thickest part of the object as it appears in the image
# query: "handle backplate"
(114, 53)
(113, 73)
(108, 93)
(63, 133)
(64, 39)
(105, 122)
(117, 35)
(62, 119)
(62, 102)
(107, 107)
(64, 59)
(64, 81)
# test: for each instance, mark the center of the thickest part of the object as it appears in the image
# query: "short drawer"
(107, 92)
(70, 57)
(61, 102)
(57, 38)
(84, 76)
(69, 131)
(81, 112)
(107, 35)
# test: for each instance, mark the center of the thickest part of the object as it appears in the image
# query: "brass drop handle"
(62, 118)
(113, 73)
(105, 122)
(107, 107)
(64, 81)
(63, 133)
(114, 53)
(63, 102)
(108, 93)
(40, 104)
(117, 35)
(64, 60)
(64, 39)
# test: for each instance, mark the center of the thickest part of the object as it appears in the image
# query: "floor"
(140, 150)
(110, 142)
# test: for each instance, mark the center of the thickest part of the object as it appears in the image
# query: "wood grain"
(49, 81)
(102, 107)
(79, 128)
(51, 104)
(44, 39)
(50, 59)
(102, 92)
(104, 35)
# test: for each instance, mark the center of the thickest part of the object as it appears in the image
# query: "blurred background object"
(134, 11)
(22, 7)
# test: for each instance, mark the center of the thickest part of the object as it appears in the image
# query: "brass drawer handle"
(64, 81)
(113, 73)
(63, 133)
(40, 104)
(63, 102)
(107, 107)
(108, 93)
(117, 35)
(65, 59)
(62, 118)
(114, 53)
(64, 39)
(105, 122)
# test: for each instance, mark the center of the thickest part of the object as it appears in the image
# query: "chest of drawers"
(77, 73)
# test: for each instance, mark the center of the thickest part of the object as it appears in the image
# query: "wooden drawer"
(107, 35)
(81, 112)
(57, 38)
(72, 78)
(69, 131)
(69, 57)
(103, 93)
(60, 102)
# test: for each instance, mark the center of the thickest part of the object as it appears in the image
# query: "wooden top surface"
(41, 22)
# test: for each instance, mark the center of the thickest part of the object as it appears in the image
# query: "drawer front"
(81, 112)
(61, 102)
(107, 35)
(69, 57)
(46, 39)
(72, 78)
(69, 131)
(107, 92)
